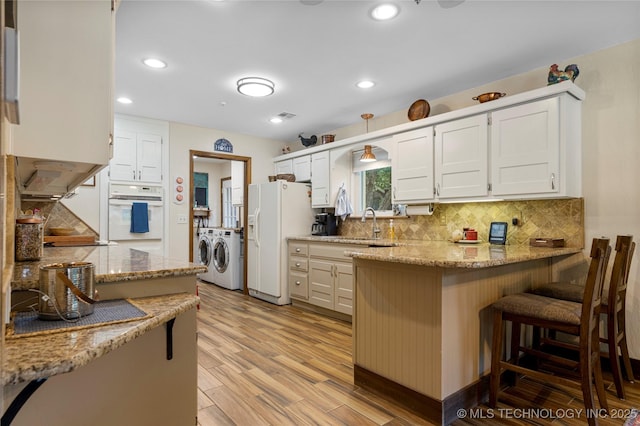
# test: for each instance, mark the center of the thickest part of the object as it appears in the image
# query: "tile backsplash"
(563, 218)
(59, 216)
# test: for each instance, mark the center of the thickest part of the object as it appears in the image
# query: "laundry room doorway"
(218, 190)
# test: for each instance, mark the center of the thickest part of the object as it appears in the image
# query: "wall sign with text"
(223, 145)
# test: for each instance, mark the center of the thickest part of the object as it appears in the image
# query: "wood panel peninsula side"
(422, 319)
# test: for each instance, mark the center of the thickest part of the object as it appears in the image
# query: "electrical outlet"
(443, 218)
(182, 218)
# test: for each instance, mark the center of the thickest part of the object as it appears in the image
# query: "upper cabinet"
(321, 183)
(136, 157)
(535, 149)
(66, 85)
(412, 166)
(299, 166)
(330, 170)
(461, 166)
(525, 146)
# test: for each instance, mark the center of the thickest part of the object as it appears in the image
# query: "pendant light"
(367, 155)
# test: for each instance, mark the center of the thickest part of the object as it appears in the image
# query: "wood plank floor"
(261, 364)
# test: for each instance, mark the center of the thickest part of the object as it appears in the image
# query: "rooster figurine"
(556, 76)
(308, 141)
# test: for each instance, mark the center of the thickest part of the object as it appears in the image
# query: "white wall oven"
(121, 199)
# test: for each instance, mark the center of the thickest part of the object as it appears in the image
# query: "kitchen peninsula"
(422, 317)
(142, 371)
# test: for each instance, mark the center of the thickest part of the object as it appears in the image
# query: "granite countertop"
(112, 264)
(51, 353)
(451, 255)
(444, 254)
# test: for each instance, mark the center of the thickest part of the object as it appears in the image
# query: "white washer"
(204, 253)
(226, 258)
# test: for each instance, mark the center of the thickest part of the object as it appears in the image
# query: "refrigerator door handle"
(256, 227)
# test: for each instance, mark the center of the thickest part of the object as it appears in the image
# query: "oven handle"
(115, 202)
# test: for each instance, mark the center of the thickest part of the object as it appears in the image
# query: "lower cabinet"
(324, 277)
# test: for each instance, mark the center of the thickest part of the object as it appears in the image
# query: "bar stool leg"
(623, 347)
(496, 356)
(614, 360)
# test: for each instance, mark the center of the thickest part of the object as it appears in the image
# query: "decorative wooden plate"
(419, 109)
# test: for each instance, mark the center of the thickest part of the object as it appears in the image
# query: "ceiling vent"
(286, 115)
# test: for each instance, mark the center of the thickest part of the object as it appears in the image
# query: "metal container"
(67, 290)
(29, 241)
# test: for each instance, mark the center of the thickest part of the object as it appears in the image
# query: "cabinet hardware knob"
(297, 264)
(298, 283)
(297, 250)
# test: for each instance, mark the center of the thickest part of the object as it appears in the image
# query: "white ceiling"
(316, 53)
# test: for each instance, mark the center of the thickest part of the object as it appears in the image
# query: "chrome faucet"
(375, 231)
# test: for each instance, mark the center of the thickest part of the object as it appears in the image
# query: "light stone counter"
(444, 254)
(53, 353)
(112, 264)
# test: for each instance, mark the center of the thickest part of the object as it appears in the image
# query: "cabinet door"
(302, 168)
(284, 167)
(123, 164)
(66, 79)
(149, 159)
(320, 182)
(525, 150)
(298, 285)
(461, 158)
(321, 283)
(412, 166)
(343, 298)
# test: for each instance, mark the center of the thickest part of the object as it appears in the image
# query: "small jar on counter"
(29, 239)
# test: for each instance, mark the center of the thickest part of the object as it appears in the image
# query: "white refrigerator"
(277, 210)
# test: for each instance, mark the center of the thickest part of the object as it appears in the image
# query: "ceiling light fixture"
(154, 63)
(365, 84)
(384, 12)
(124, 100)
(255, 86)
(275, 120)
(367, 155)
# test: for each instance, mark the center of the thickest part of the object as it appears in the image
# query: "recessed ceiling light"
(385, 11)
(154, 63)
(365, 84)
(275, 120)
(256, 87)
(124, 100)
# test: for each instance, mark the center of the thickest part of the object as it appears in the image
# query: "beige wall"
(611, 146)
(183, 138)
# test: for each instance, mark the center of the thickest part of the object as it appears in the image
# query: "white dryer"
(226, 258)
(204, 253)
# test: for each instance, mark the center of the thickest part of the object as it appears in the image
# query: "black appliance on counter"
(325, 224)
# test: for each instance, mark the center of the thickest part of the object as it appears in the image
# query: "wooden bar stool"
(581, 319)
(613, 309)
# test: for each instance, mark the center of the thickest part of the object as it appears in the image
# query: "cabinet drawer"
(298, 285)
(298, 264)
(331, 251)
(299, 248)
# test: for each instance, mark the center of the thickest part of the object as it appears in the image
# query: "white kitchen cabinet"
(237, 183)
(299, 270)
(536, 149)
(331, 277)
(412, 166)
(461, 158)
(329, 171)
(302, 168)
(136, 157)
(284, 167)
(66, 86)
(321, 181)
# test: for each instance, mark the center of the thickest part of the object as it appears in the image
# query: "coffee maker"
(325, 224)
